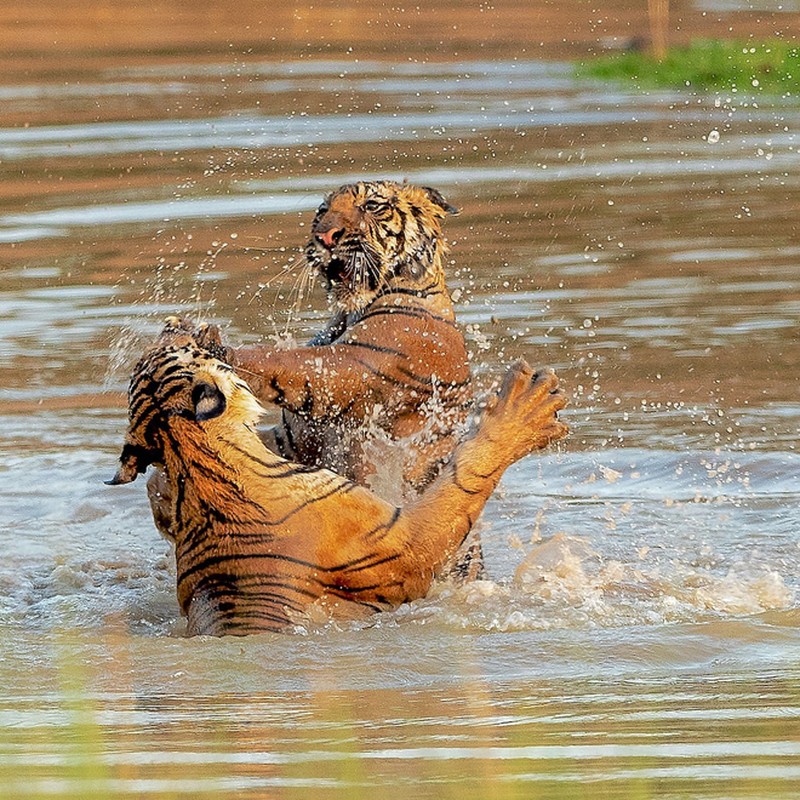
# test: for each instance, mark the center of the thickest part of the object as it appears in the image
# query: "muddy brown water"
(639, 634)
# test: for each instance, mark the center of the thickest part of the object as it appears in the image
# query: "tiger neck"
(421, 275)
(429, 285)
(230, 497)
(428, 290)
(215, 468)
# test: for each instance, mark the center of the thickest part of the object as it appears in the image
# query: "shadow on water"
(638, 636)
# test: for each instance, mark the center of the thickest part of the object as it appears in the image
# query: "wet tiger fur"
(263, 543)
(391, 363)
(382, 394)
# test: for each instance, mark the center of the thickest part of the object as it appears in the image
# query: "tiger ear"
(208, 401)
(435, 196)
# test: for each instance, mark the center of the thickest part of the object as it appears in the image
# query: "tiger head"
(177, 378)
(371, 235)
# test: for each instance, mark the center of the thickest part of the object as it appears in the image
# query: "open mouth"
(338, 270)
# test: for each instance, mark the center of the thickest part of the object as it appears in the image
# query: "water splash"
(564, 583)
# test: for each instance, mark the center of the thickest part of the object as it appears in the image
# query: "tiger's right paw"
(525, 412)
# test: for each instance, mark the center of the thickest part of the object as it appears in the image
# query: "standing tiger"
(264, 544)
(391, 362)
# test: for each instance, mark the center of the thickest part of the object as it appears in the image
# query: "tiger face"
(371, 235)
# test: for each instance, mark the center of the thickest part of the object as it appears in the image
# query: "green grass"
(770, 67)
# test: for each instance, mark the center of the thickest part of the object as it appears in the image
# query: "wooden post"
(658, 12)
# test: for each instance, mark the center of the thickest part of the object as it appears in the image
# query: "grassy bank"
(771, 67)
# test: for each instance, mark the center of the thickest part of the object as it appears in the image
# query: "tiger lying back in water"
(263, 543)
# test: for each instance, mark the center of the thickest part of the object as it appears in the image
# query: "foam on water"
(570, 544)
(564, 584)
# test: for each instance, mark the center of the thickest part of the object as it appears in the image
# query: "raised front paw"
(174, 324)
(527, 406)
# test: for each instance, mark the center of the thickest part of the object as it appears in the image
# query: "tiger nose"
(329, 237)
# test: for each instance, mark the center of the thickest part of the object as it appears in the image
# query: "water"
(639, 634)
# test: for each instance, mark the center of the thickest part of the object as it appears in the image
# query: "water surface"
(638, 635)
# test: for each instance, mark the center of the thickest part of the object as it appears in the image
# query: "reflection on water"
(323, 715)
(639, 631)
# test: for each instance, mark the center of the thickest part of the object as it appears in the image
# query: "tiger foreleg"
(468, 564)
(521, 418)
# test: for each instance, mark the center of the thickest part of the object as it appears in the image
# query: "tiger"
(391, 364)
(263, 543)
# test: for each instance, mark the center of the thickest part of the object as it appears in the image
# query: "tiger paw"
(525, 411)
(208, 336)
(204, 334)
(174, 324)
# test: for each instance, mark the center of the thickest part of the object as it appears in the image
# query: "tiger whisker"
(299, 289)
(281, 276)
(380, 277)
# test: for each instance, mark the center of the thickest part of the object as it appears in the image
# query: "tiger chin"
(263, 543)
